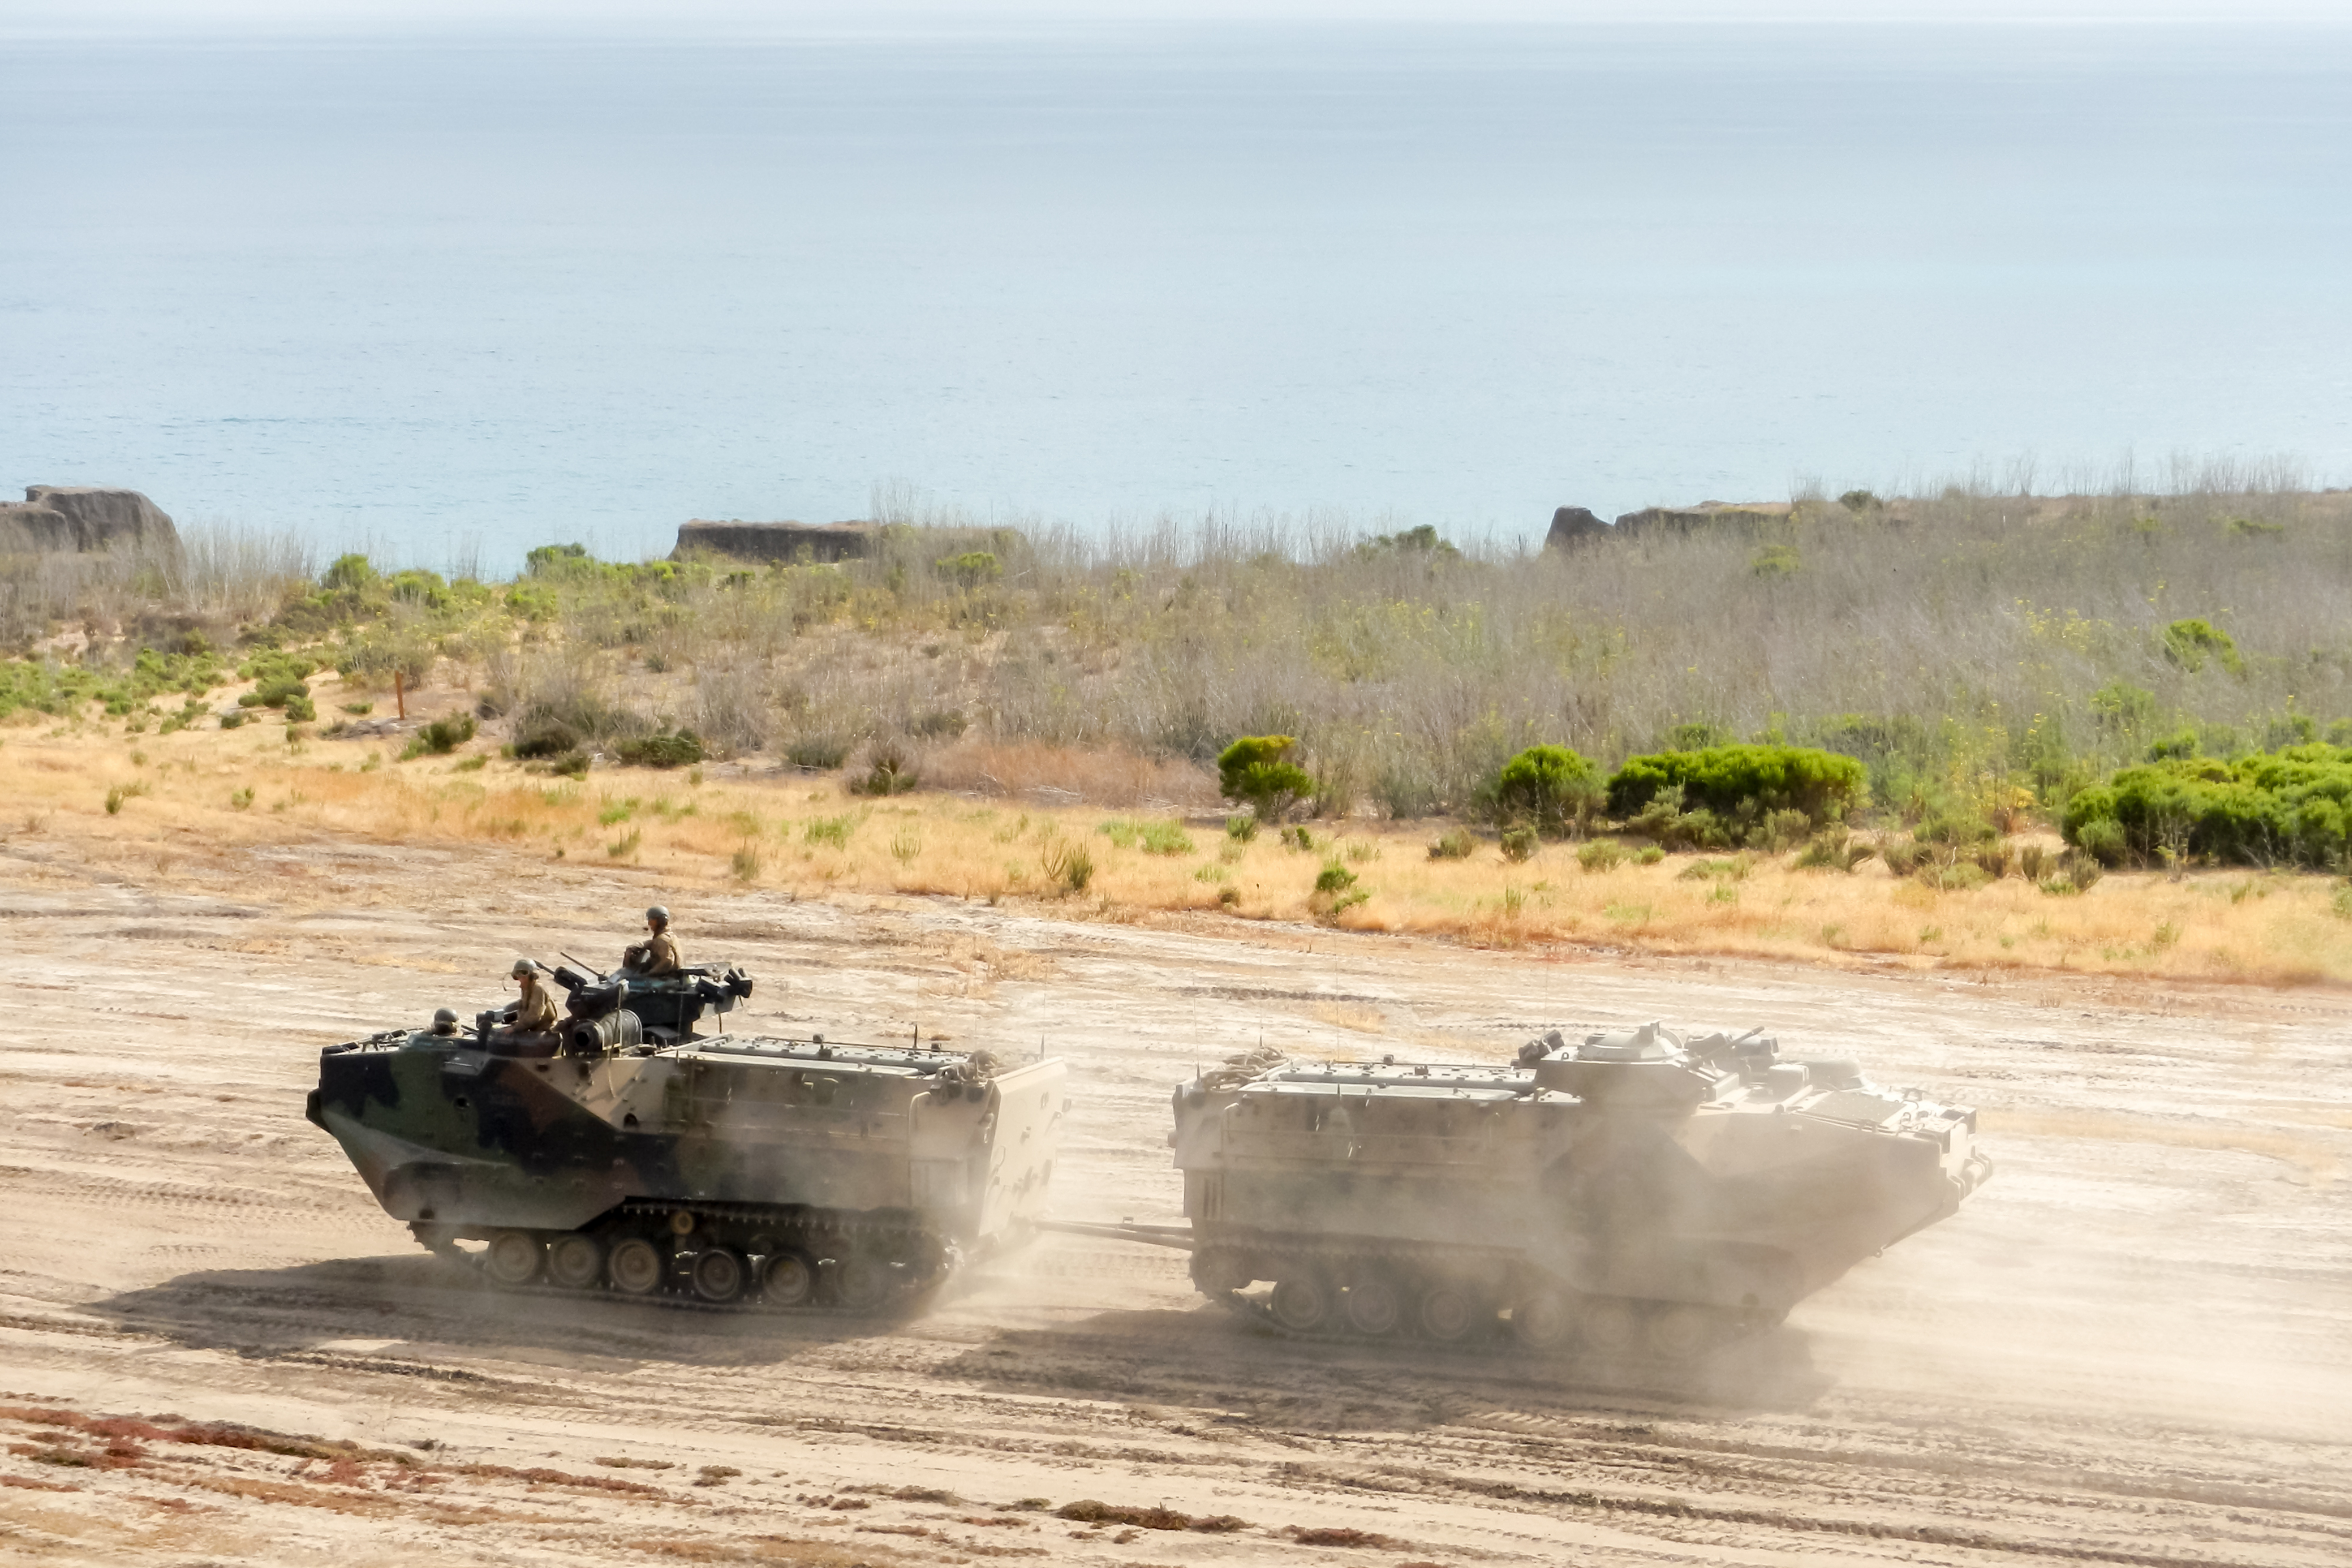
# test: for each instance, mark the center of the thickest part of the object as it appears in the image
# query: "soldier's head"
(657, 918)
(445, 1021)
(524, 969)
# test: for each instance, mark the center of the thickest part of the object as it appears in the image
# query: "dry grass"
(812, 839)
(1106, 776)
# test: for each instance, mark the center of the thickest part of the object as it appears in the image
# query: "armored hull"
(735, 1169)
(1638, 1192)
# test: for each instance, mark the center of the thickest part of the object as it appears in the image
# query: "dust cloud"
(2135, 1344)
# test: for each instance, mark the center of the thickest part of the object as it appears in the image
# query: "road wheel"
(718, 1275)
(1545, 1319)
(514, 1258)
(575, 1261)
(1374, 1305)
(1446, 1312)
(1612, 1325)
(1301, 1303)
(1679, 1333)
(864, 1281)
(790, 1280)
(635, 1267)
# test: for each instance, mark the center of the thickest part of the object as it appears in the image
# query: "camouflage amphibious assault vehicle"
(1635, 1192)
(624, 1153)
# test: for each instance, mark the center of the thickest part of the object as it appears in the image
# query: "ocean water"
(464, 297)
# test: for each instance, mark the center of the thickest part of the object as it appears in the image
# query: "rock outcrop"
(80, 518)
(1572, 523)
(775, 540)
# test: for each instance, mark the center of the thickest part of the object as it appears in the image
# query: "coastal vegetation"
(1973, 697)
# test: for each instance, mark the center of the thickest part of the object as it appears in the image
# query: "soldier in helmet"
(534, 1011)
(445, 1021)
(657, 954)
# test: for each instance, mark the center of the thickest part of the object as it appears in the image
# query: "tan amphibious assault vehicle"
(624, 1153)
(1637, 1191)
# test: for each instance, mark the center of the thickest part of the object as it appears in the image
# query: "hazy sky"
(689, 17)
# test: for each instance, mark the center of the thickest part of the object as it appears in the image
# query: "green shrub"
(1255, 769)
(972, 569)
(353, 573)
(1241, 829)
(300, 710)
(1734, 869)
(1600, 855)
(1549, 788)
(889, 770)
(1904, 856)
(1419, 540)
(1835, 850)
(661, 750)
(2121, 710)
(819, 754)
(1298, 838)
(1166, 838)
(1520, 843)
(380, 656)
(832, 831)
(1068, 865)
(1860, 500)
(1335, 890)
(2287, 807)
(1697, 735)
(533, 602)
(1156, 837)
(1951, 826)
(1960, 876)
(1665, 820)
(441, 737)
(2191, 644)
(2101, 838)
(1649, 854)
(558, 560)
(2075, 872)
(232, 719)
(1732, 781)
(1454, 844)
(544, 735)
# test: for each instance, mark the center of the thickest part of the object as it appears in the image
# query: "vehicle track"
(2015, 1385)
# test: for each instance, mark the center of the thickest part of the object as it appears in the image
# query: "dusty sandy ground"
(2135, 1345)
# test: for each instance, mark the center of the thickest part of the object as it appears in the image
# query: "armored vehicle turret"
(1633, 1192)
(625, 1153)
